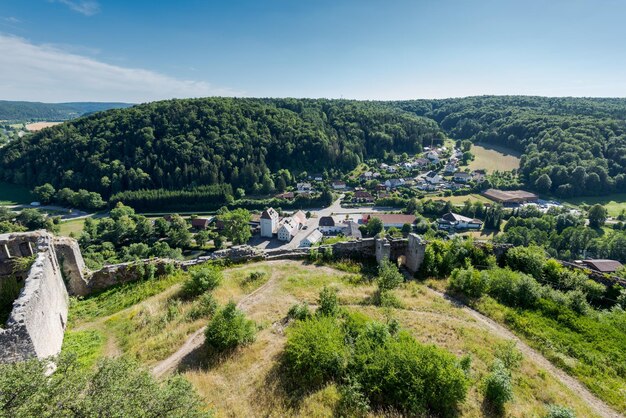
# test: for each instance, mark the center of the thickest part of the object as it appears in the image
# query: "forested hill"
(34, 111)
(570, 146)
(576, 145)
(178, 143)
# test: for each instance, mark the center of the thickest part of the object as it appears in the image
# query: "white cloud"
(45, 73)
(85, 7)
(11, 19)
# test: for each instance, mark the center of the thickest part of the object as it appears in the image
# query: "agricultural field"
(494, 158)
(11, 194)
(150, 320)
(38, 126)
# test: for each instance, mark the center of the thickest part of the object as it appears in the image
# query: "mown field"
(494, 158)
(614, 203)
(150, 320)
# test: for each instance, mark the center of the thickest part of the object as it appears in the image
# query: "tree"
(202, 238)
(44, 193)
(26, 390)
(229, 329)
(328, 303)
(466, 145)
(178, 234)
(374, 226)
(237, 225)
(597, 216)
(543, 184)
(406, 229)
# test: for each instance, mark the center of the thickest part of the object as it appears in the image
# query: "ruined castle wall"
(37, 322)
(72, 265)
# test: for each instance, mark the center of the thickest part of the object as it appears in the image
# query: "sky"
(144, 50)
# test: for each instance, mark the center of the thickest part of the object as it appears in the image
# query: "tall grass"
(10, 288)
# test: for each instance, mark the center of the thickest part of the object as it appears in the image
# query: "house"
(285, 195)
(376, 174)
(363, 197)
(423, 185)
(384, 166)
(351, 229)
(304, 187)
(269, 222)
(603, 266)
(433, 156)
(391, 220)
(450, 168)
(201, 223)
(393, 183)
(287, 230)
(318, 178)
(339, 185)
(433, 177)
(313, 238)
(462, 177)
(455, 221)
(422, 162)
(300, 218)
(367, 175)
(510, 197)
(392, 169)
(328, 225)
(478, 176)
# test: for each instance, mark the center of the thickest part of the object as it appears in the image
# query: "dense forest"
(33, 111)
(180, 143)
(569, 146)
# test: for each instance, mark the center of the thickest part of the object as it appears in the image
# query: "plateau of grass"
(494, 158)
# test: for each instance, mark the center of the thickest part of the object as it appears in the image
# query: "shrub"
(202, 280)
(229, 329)
(509, 355)
(530, 260)
(556, 411)
(299, 312)
(316, 351)
(388, 276)
(403, 374)
(328, 304)
(204, 306)
(9, 291)
(255, 275)
(497, 386)
(469, 282)
(352, 401)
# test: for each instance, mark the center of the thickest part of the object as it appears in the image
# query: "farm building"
(603, 266)
(510, 197)
(201, 223)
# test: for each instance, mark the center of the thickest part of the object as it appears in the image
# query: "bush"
(229, 329)
(469, 282)
(328, 304)
(204, 306)
(316, 351)
(9, 291)
(401, 373)
(388, 276)
(299, 312)
(200, 281)
(509, 355)
(497, 386)
(255, 275)
(556, 411)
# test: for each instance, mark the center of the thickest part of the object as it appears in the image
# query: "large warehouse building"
(510, 197)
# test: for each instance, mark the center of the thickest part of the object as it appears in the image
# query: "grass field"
(73, 226)
(11, 194)
(148, 321)
(494, 158)
(459, 200)
(614, 203)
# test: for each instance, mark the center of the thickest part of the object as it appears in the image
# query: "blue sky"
(139, 50)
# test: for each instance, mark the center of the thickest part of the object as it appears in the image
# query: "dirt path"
(197, 338)
(594, 402)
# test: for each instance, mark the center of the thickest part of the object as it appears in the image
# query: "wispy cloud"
(44, 73)
(85, 7)
(12, 19)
